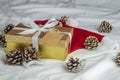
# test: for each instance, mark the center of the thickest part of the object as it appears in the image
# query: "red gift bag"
(79, 35)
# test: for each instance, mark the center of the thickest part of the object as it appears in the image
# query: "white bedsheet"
(99, 64)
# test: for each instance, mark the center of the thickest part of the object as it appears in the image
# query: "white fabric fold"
(99, 70)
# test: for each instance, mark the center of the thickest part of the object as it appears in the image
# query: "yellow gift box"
(52, 44)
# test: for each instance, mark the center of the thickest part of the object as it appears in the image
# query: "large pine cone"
(2, 41)
(30, 53)
(74, 65)
(64, 18)
(8, 28)
(91, 43)
(117, 59)
(105, 27)
(14, 57)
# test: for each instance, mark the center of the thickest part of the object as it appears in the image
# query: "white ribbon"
(35, 28)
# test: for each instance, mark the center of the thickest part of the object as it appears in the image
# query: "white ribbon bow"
(35, 28)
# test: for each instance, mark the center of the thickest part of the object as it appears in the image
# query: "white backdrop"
(99, 64)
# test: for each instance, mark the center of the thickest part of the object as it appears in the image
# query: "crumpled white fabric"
(99, 64)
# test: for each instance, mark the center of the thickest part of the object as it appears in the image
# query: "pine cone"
(74, 65)
(64, 18)
(2, 41)
(8, 28)
(40, 25)
(91, 43)
(30, 54)
(14, 57)
(117, 59)
(105, 27)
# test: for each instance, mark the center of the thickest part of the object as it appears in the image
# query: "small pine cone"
(117, 59)
(14, 57)
(105, 27)
(30, 54)
(8, 28)
(64, 18)
(2, 41)
(40, 25)
(91, 43)
(74, 65)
